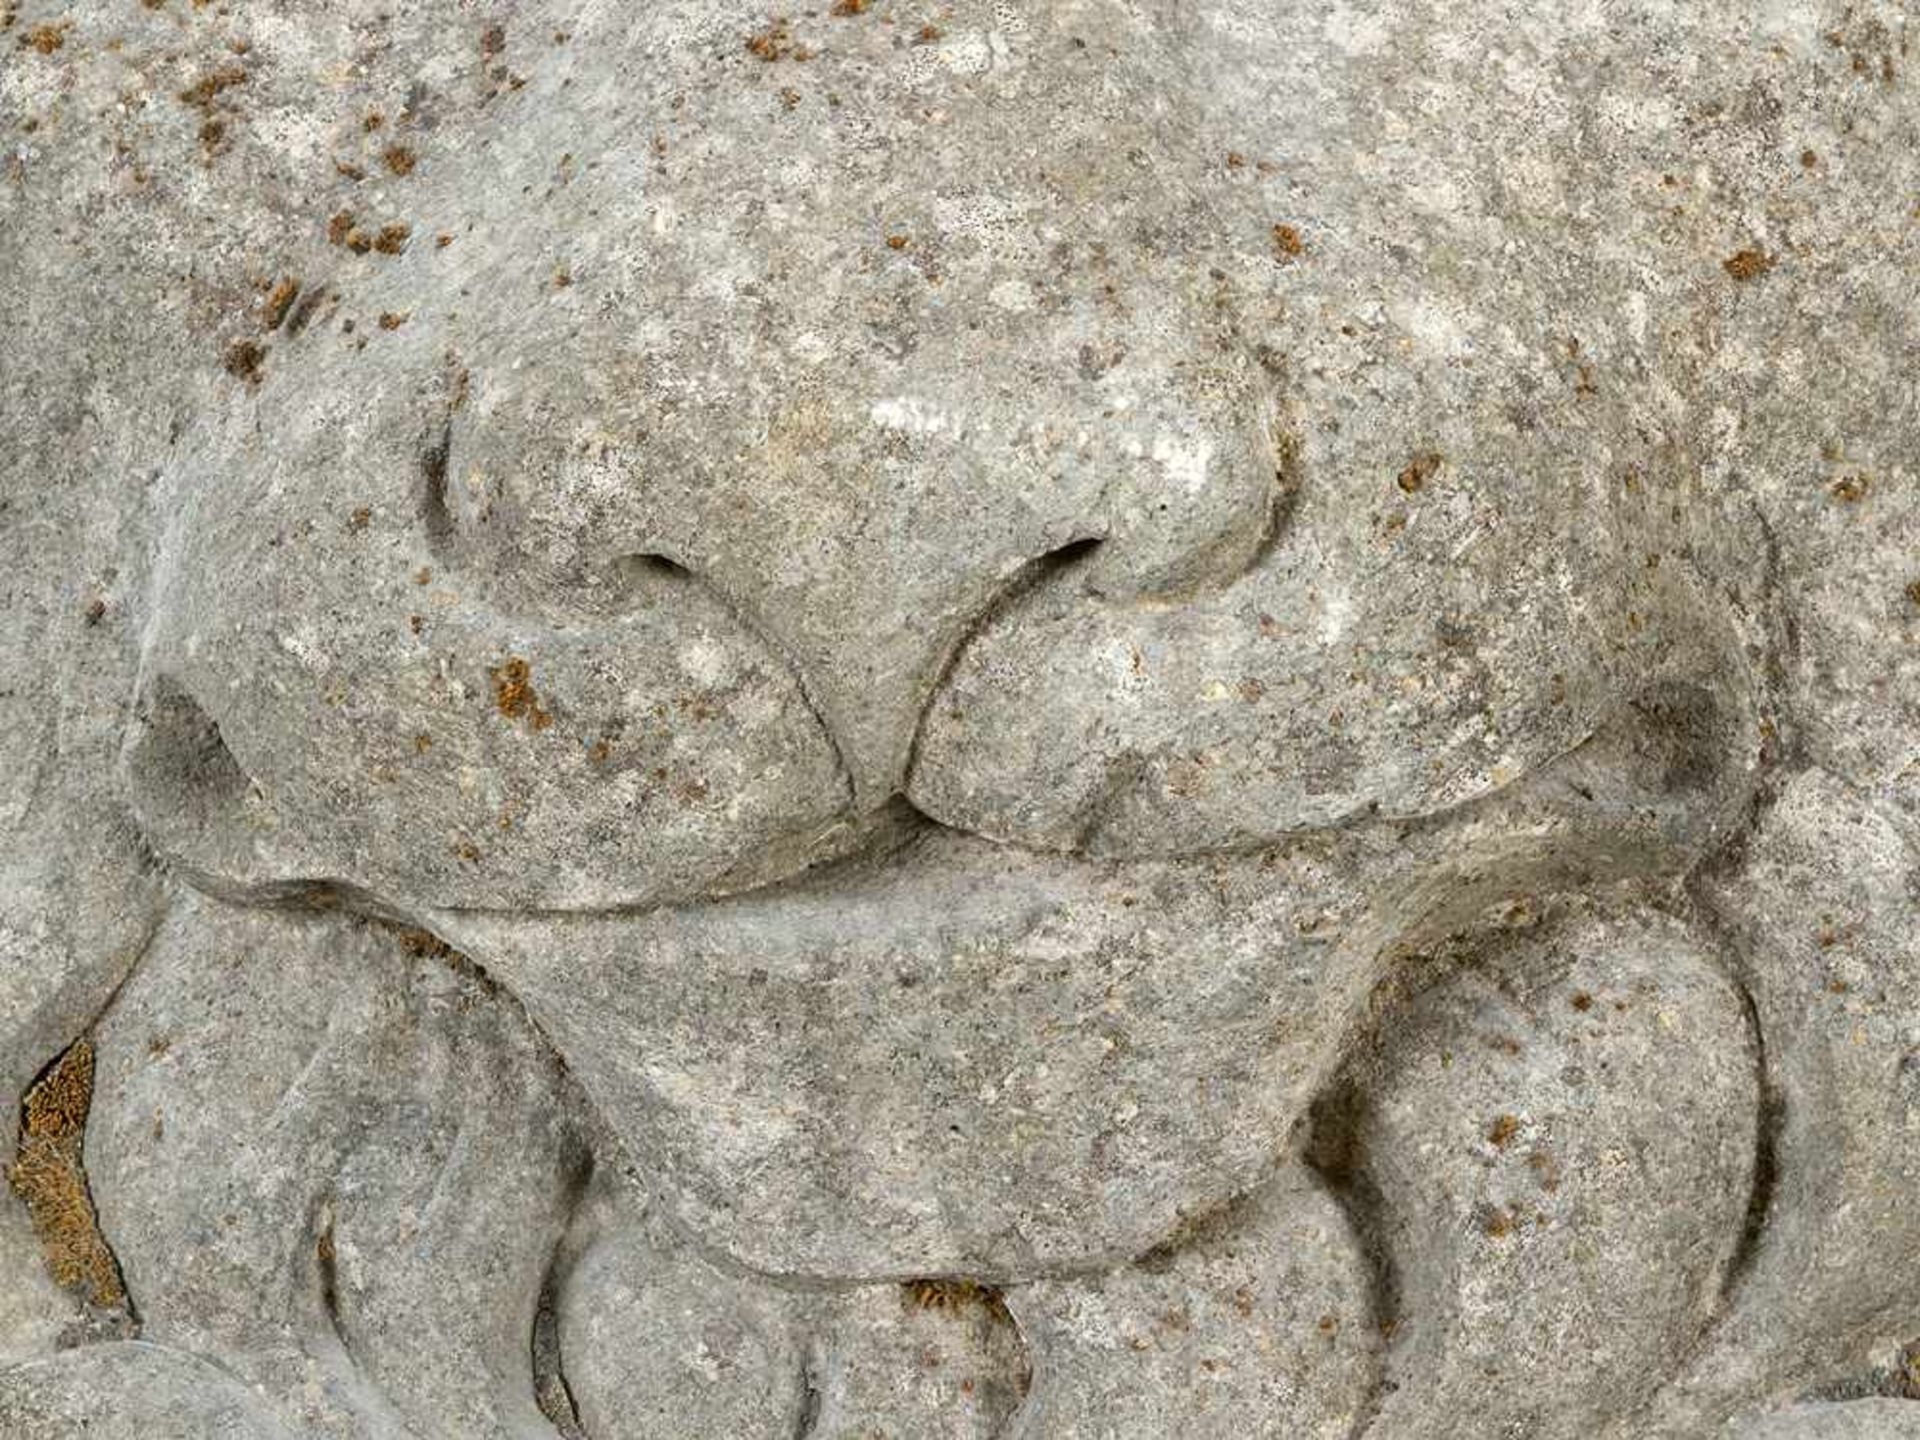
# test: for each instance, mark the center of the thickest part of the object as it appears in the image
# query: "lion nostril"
(185, 783)
(646, 578)
(1068, 553)
(647, 566)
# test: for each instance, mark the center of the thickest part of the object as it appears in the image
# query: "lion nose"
(863, 531)
(871, 564)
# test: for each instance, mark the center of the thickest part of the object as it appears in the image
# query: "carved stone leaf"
(1555, 1145)
(1259, 1321)
(335, 1159)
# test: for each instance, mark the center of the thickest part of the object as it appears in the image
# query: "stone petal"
(1820, 915)
(1554, 1143)
(337, 1162)
(939, 1359)
(1257, 1322)
(658, 1344)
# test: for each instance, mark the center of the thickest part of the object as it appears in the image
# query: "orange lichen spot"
(400, 160)
(773, 43)
(1287, 243)
(359, 520)
(208, 88)
(1581, 1000)
(514, 695)
(928, 34)
(46, 38)
(442, 240)
(948, 1294)
(1498, 1223)
(1503, 1129)
(1235, 160)
(389, 320)
(1420, 469)
(1852, 489)
(278, 301)
(898, 242)
(1808, 160)
(392, 239)
(1749, 264)
(849, 7)
(49, 1177)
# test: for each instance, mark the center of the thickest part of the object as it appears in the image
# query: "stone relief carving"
(1088, 719)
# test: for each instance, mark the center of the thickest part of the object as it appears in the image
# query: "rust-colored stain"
(46, 38)
(514, 695)
(1287, 243)
(775, 43)
(204, 91)
(950, 1294)
(1420, 469)
(49, 1176)
(1747, 264)
(279, 301)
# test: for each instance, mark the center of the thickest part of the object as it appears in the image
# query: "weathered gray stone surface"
(1105, 718)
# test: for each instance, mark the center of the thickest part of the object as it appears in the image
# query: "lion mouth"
(1016, 1061)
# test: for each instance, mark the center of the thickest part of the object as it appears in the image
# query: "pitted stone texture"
(1555, 1144)
(941, 1359)
(34, 1312)
(337, 1168)
(1855, 1420)
(132, 1391)
(659, 1344)
(1259, 1322)
(961, 1060)
(1429, 375)
(1318, 593)
(1302, 696)
(1821, 919)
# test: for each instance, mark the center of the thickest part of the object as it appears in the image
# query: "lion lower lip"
(1004, 1003)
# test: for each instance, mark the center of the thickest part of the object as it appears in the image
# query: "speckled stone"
(923, 720)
